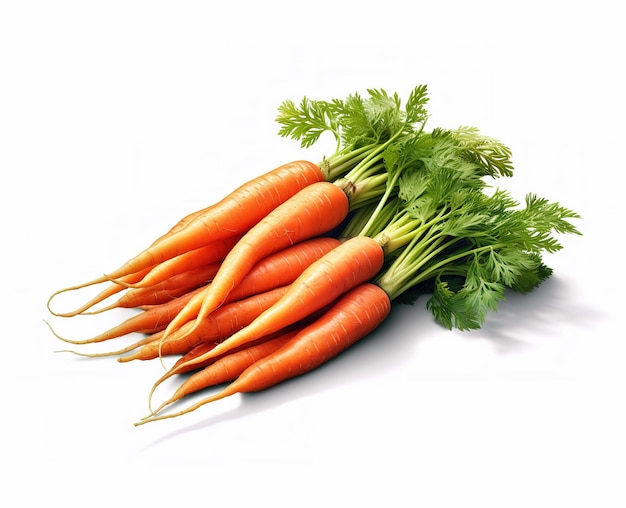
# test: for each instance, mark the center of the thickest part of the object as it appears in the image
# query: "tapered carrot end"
(226, 392)
(68, 289)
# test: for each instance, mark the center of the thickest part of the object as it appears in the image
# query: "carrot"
(234, 214)
(227, 368)
(164, 291)
(196, 258)
(281, 267)
(351, 263)
(214, 328)
(275, 270)
(197, 357)
(150, 321)
(314, 210)
(150, 276)
(182, 223)
(356, 314)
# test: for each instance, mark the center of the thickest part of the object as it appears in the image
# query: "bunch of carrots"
(296, 265)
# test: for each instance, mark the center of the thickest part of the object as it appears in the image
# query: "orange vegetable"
(313, 211)
(356, 314)
(228, 367)
(216, 327)
(351, 263)
(233, 215)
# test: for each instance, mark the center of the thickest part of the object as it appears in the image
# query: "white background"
(118, 118)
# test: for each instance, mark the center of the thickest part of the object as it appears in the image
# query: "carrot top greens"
(425, 196)
(362, 128)
(447, 227)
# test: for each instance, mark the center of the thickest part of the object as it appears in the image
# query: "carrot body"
(234, 214)
(314, 210)
(214, 328)
(167, 290)
(351, 263)
(356, 314)
(227, 368)
(182, 223)
(195, 268)
(278, 269)
(196, 258)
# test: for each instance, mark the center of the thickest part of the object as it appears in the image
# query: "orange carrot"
(216, 327)
(314, 210)
(356, 314)
(196, 258)
(351, 263)
(197, 357)
(234, 214)
(282, 267)
(228, 367)
(275, 270)
(164, 291)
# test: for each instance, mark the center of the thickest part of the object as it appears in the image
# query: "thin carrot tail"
(68, 289)
(106, 354)
(111, 290)
(229, 390)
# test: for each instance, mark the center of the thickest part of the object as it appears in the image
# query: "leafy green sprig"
(446, 231)
(363, 127)
(467, 246)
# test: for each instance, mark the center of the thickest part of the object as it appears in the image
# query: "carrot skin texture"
(276, 270)
(162, 292)
(227, 368)
(313, 211)
(214, 328)
(354, 316)
(234, 214)
(351, 263)
(193, 259)
(358, 313)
